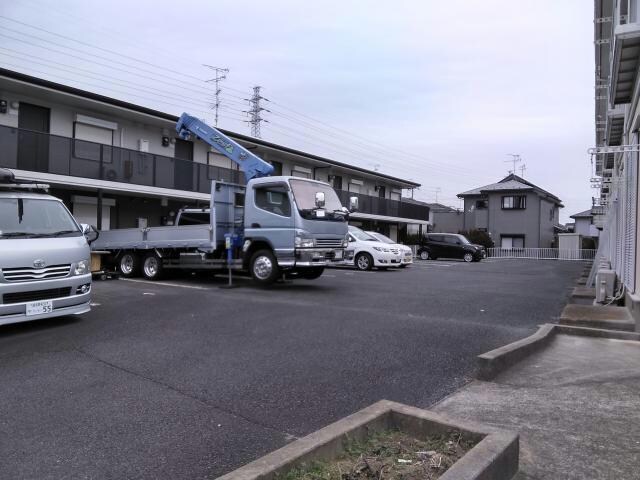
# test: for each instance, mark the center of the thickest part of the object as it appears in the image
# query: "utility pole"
(254, 111)
(515, 158)
(221, 74)
(438, 190)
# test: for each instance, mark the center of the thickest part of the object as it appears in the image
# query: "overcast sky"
(437, 92)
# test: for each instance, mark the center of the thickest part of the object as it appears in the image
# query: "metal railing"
(42, 152)
(385, 206)
(542, 253)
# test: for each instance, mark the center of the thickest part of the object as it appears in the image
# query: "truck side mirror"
(353, 204)
(319, 199)
(90, 232)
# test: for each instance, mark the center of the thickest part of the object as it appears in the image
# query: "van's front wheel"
(264, 267)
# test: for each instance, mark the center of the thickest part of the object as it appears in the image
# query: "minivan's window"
(462, 238)
(32, 218)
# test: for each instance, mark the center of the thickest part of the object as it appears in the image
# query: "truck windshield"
(34, 218)
(305, 195)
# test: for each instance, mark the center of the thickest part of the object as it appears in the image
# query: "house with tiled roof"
(515, 212)
(584, 224)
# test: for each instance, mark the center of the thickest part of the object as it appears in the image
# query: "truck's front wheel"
(264, 267)
(129, 264)
(152, 267)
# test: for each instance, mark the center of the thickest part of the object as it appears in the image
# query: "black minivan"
(450, 245)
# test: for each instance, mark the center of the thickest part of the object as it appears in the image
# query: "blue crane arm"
(252, 165)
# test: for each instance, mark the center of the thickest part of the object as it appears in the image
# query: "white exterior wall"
(583, 226)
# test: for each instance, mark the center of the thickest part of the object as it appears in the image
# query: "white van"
(44, 255)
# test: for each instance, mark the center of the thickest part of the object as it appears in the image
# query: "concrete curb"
(496, 361)
(495, 457)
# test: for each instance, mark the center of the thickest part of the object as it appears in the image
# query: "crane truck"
(274, 225)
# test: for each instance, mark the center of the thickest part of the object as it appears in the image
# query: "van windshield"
(34, 218)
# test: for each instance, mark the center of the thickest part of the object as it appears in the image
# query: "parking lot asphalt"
(183, 379)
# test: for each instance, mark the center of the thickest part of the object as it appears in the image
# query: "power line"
(84, 21)
(128, 65)
(76, 71)
(181, 106)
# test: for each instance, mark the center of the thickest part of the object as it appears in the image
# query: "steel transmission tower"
(255, 109)
(221, 74)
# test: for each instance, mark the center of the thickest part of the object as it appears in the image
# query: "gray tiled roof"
(585, 214)
(509, 183)
(495, 187)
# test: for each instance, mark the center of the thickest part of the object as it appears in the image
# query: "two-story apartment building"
(117, 165)
(617, 135)
(515, 212)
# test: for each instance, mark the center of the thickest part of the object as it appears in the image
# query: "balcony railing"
(42, 152)
(386, 207)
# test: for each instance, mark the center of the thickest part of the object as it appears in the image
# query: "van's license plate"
(37, 308)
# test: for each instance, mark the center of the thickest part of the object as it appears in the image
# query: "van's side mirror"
(90, 232)
(320, 199)
(353, 204)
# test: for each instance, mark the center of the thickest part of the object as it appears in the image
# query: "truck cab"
(44, 255)
(299, 225)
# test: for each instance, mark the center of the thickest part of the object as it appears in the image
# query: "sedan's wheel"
(152, 267)
(424, 255)
(264, 267)
(129, 264)
(468, 257)
(364, 261)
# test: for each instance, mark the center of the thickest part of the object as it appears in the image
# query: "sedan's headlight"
(82, 267)
(381, 249)
(301, 242)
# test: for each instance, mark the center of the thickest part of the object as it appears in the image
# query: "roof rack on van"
(8, 181)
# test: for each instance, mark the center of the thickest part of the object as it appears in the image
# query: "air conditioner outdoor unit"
(605, 285)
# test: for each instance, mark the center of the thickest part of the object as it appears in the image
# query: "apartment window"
(335, 181)
(481, 204)
(514, 202)
(512, 241)
(88, 139)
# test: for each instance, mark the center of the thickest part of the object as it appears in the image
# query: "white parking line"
(166, 284)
